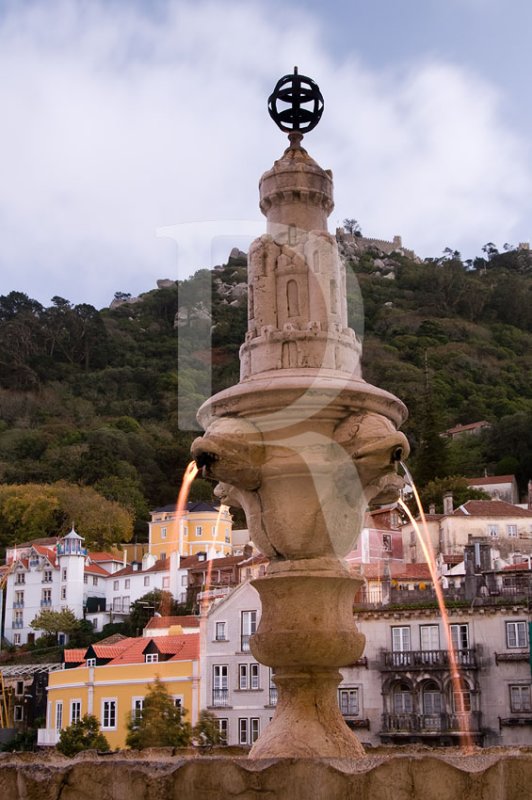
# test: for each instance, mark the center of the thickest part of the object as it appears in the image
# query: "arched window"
(432, 703)
(292, 298)
(402, 699)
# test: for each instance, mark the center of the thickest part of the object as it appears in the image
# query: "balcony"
(220, 697)
(46, 603)
(244, 642)
(18, 623)
(18, 604)
(406, 724)
(427, 659)
(47, 737)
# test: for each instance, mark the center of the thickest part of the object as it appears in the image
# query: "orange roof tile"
(95, 569)
(189, 650)
(134, 652)
(491, 508)
(486, 481)
(75, 655)
(159, 566)
(103, 556)
(112, 650)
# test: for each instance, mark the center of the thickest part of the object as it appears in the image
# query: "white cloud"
(118, 120)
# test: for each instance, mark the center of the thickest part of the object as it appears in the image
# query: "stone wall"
(495, 774)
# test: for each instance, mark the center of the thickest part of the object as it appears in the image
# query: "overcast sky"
(126, 127)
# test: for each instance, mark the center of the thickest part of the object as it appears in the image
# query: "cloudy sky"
(133, 132)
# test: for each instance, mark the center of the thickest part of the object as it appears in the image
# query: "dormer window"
(152, 658)
(91, 662)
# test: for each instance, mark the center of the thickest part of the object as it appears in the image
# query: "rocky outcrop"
(496, 774)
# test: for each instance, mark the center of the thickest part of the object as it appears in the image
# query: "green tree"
(155, 602)
(161, 723)
(207, 730)
(434, 490)
(55, 622)
(82, 735)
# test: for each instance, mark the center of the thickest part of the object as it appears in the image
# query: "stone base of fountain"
(398, 774)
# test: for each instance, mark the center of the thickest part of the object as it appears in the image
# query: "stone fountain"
(302, 443)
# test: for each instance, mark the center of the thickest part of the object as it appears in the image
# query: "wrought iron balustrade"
(431, 723)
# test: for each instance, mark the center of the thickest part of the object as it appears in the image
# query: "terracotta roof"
(491, 508)
(75, 655)
(184, 647)
(95, 569)
(451, 559)
(189, 650)
(111, 650)
(113, 639)
(167, 622)
(159, 566)
(103, 556)
(133, 653)
(523, 566)
(173, 645)
(486, 481)
(471, 426)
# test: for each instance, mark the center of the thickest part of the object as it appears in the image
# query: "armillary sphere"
(304, 103)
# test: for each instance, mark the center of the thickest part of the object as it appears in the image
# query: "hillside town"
(401, 689)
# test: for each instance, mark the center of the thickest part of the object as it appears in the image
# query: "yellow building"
(202, 528)
(112, 680)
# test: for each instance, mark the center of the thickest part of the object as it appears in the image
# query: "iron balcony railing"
(46, 603)
(18, 623)
(18, 604)
(220, 697)
(427, 659)
(244, 642)
(431, 723)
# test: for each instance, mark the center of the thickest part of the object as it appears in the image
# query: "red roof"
(133, 653)
(523, 566)
(190, 648)
(103, 556)
(491, 508)
(184, 647)
(471, 426)
(95, 569)
(167, 622)
(75, 655)
(159, 566)
(486, 481)
(111, 650)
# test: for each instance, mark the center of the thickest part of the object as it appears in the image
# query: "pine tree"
(161, 722)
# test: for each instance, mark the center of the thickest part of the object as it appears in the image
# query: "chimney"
(432, 508)
(448, 503)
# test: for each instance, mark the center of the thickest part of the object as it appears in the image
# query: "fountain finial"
(303, 103)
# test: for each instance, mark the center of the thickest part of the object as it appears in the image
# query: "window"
(163, 533)
(254, 676)
(152, 658)
(387, 542)
(147, 580)
(95, 623)
(18, 619)
(400, 638)
(166, 582)
(402, 699)
(178, 701)
(126, 602)
(136, 708)
(94, 580)
(75, 711)
(108, 713)
(242, 731)
(255, 729)
(199, 530)
(17, 639)
(493, 530)
(429, 636)
(61, 638)
(116, 586)
(91, 662)
(242, 676)
(184, 580)
(227, 536)
(348, 702)
(248, 628)
(117, 604)
(520, 698)
(460, 636)
(85, 579)
(18, 713)
(223, 728)
(516, 634)
(219, 685)
(58, 715)
(20, 578)
(64, 574)
(511, 530)
(19, 600)
(431, 699)
(47, 576)
(63, 592)
(127, 583)
(461, 701)
(19, 688)
(220, 632)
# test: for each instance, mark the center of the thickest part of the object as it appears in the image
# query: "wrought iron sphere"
(304, 103)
